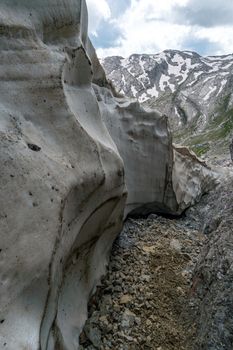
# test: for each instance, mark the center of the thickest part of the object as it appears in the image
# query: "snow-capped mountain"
(194, 91)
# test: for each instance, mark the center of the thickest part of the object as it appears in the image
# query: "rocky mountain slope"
(194, 91)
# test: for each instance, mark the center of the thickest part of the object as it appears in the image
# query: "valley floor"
(161, 285)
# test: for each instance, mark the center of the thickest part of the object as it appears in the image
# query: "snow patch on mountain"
(150, 76)
(181, 84)
(212, 89)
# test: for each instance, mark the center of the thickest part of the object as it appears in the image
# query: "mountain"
(194, 91)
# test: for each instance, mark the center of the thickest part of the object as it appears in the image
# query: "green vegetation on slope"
(215, 135)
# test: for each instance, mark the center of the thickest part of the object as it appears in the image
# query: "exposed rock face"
(62, 178)
(194, 91)
(213, 277)
(189, 176)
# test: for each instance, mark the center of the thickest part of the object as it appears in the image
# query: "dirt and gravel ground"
(144, 299)
(165, 281)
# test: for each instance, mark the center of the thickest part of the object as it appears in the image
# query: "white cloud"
(222, 36)
(144, 29)
(97, 11)
(207, 13)
(147, 38)
(150, 26)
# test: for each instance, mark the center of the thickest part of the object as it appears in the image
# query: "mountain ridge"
(194, 91)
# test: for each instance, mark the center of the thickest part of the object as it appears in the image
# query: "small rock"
(103, 319)
(107, 299)
(128, 319)
(125, 299)
(117, 289)
(145, 278)
(149, 249)
(82, 338)
(153, 217)
(175, 245)
(138, 320)
(94, 335)
(180, 290)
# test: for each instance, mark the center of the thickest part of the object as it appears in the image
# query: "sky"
(124, 27)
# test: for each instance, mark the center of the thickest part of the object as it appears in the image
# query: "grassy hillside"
(215, 137)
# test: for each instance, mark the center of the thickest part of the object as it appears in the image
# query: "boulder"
(191, 177)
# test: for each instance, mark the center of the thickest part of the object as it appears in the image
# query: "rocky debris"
(169, 284)
(213, 275)
(144, 301)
